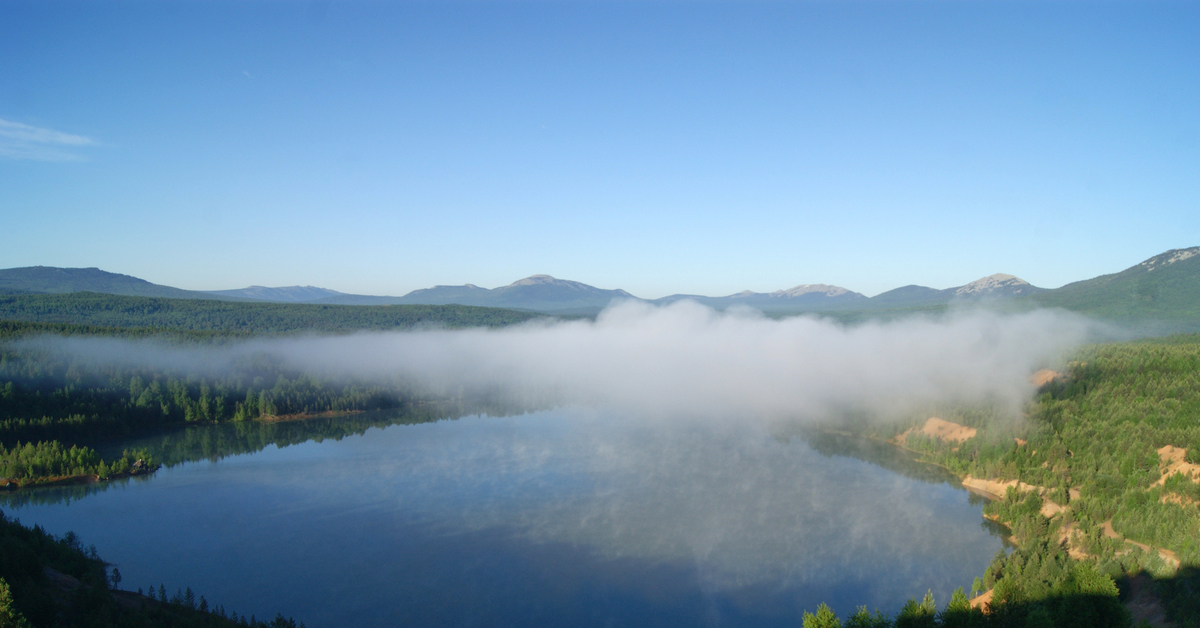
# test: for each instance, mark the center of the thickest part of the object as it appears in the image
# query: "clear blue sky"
(658, 147)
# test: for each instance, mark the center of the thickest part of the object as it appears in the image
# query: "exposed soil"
(995, 489)
(982, 601)
(1066, 538)
(1043, 377)
(1166, 555)
(1049, 508)
(946, 431)
(1173, 460)
(1175, 498)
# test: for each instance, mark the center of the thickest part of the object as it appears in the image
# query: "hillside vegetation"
(48, 279)
(1163, 288)
(1097, 484)
(52, 581)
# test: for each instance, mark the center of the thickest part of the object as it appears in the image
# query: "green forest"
(54, 406)
(108, 310)
(1095, 500)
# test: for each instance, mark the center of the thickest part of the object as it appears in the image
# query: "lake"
(565, 517)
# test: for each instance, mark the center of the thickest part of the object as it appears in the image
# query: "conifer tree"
(825, 618)
(9, 616)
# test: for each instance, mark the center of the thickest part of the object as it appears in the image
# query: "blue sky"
(659, 147)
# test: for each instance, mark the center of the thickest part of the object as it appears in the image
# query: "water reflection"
(174, 446)
(567, 517)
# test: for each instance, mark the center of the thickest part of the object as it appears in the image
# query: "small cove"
(568, 516)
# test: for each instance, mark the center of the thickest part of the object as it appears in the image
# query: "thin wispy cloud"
(30, 143)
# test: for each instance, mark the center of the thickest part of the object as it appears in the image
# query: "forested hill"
(1165, 287)
(1099, 483)
(48, 279)
(106, 310)
(53, 581)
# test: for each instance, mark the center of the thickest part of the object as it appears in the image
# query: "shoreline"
(16, 484)
(304, 416)
(1143, 605)
(11, 484)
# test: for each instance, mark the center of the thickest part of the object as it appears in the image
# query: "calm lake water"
(564, 517)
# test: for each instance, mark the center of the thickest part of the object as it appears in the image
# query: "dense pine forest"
(108, 310)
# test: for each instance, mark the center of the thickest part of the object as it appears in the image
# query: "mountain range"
(1164, 285)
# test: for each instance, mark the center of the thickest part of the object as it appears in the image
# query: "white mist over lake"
(656, 492)
(683, 361)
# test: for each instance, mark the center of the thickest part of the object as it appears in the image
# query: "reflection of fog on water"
(565, 515)
(741, 506)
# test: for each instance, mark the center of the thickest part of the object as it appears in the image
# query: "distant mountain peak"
(811, 288)
(1170, 257)
(469, 286)
(297, 287)
(546, 281)
(281, 294)
(993, 283)
(534, 280)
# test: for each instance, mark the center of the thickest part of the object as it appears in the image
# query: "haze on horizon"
(656, 147)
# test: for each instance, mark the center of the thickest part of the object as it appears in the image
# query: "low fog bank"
(682, 360)
(689, 360)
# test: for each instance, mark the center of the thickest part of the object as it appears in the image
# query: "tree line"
(197, 315)
(55, 406)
